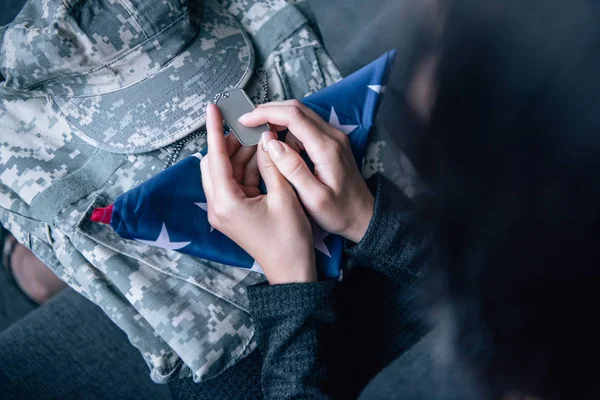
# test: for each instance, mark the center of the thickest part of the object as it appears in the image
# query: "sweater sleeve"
(398, 240)
(294, 325)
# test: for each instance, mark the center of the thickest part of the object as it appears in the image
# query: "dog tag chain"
(238, 103)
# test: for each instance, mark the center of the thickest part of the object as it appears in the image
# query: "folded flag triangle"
(169, 210)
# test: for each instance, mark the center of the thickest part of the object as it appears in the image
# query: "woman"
(516, 229)
(296, 315)
(312, 334)
(515, 168)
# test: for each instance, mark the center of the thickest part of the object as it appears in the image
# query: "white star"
(335, 122)
(377, 88)
(163, 241)
(204, 206)
(257, 268)
(318, 236)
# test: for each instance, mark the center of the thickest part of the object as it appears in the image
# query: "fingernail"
(244, 117)
(275, 148)
(266, 137)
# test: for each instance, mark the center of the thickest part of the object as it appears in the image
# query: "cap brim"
(172, 103)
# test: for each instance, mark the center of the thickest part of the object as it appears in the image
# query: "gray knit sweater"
(329, 339)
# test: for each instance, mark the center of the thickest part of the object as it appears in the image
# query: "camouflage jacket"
(187, 316)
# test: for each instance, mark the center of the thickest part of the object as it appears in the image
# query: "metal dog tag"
(233, 104)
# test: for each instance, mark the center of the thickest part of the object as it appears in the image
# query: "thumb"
(274, 180)
(293, 168)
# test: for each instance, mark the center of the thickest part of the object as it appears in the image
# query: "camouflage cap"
(129, 75)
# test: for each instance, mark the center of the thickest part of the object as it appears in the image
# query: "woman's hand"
(336, 196)
(272, 228)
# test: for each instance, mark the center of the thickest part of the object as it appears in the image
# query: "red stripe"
(103, 214)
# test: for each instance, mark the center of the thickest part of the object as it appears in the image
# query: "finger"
(274, 127)
(294, 169)
(251, 191)
(274, 181)
(232, 143)
(294, 143)
(316, 118)
(221, 171)
(251, 175)
(240, 159)
(296, 120)
(310, 114)
(274, 103)
(206, 181)
(277, 128)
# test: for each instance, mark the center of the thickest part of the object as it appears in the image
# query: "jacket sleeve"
(295, 326)
(398, 241)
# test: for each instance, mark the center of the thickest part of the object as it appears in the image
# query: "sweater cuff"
(389, 200)
(268, 301)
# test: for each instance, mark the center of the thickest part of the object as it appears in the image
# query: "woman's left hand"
(273, 227)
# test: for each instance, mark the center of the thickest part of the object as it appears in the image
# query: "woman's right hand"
(336, 196)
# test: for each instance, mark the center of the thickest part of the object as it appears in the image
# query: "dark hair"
(517, 127)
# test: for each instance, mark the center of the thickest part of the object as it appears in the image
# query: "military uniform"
(94, 97)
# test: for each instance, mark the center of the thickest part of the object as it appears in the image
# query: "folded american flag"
(169, 210)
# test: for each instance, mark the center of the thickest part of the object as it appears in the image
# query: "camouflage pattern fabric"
(68, 144)
(72, 140)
